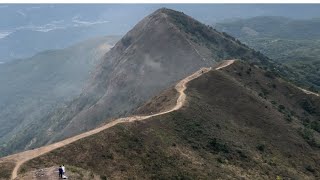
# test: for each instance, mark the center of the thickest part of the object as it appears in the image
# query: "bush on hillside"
(308, 106)
(308, 135)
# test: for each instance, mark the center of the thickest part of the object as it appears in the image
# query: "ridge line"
(21, 158)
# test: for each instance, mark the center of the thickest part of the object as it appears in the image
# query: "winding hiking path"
(25, 156)
(308, 92)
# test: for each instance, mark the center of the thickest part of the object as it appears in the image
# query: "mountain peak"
(162, 48)
(164, 10)
(175, 17)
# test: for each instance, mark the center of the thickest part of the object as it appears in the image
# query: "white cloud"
(44, 29)
(21, 13)
(148, 61)
(78, 22)
(88, 23)
(76, 17)
(56, 24)
(4, 34)
(33, 8)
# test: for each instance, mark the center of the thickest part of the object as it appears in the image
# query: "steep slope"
(295, 43)
(33, 87)
(161, 49)
(227, 129)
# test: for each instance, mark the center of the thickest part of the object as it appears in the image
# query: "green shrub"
(217, 146)
(279, 178)
(308, 106)
(220, 160)
(313, 89)
(310, 168)
(308, 135)
(23, 170)
(281, 107)
(315, 125)
(261, 147)
(269, 74)
(248, 71)
(91, 175)
(289, 118)
(103, 177)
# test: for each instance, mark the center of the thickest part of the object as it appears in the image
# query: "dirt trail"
(308, 92)
(25, 156)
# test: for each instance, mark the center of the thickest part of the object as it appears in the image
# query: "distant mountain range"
(27, 42)
(54, 26)
(272, 27)
(294, 43)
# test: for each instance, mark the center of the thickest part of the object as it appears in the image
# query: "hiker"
(64, 172)
(63, 169)
(60, 172)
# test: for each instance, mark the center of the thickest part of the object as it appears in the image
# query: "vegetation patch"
(308, 135)
(6, 169)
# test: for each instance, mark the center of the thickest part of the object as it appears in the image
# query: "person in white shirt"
(63, 169)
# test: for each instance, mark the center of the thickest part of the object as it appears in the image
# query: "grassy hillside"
(241, 122)
(160, 50)
(5, 170)
(295, 43)
(32, 88)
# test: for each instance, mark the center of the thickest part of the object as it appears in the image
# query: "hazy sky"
(65, 24)
(15, 16)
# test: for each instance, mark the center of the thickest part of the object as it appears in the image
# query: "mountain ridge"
(160, 50)
(23, 157)
(226, 129)
(157, 23)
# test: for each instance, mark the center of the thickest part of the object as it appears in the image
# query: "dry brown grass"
(6, 169)
(226, 130)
